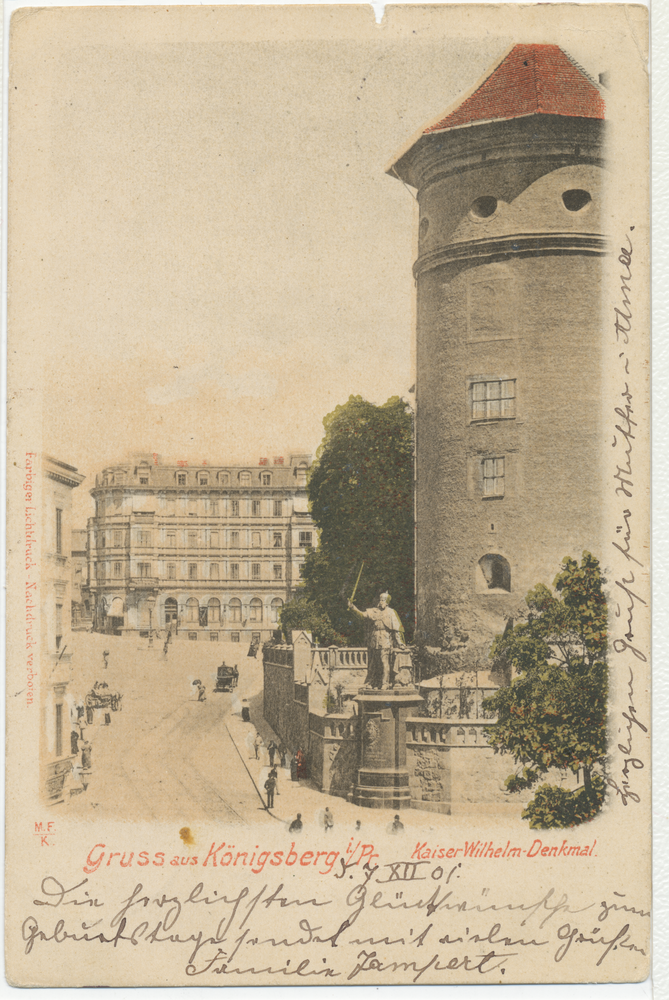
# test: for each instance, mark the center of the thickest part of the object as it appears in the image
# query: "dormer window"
(245, 478)
(181, 478)
(203, 478)
(266, 478)
(224, 478)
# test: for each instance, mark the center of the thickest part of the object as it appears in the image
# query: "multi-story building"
(509, 272)
(55, 597)
(81, 616)
(214, 552)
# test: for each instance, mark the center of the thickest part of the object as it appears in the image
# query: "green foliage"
(361, 495)
(553, 715)
(304, 614)
(553, 806)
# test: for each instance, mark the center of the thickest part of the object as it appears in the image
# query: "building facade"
(211, 552)
(509, 341)
(55, 601)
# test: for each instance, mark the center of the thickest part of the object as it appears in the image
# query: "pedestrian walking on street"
(296, 825)
(270, 786)
(274, 774)
(397, 825)
(257, 743)
(293, 767)
(105, 657)
(283, 753)
(271, 750)
(246, 714)
(301, 764)
(201, 691)
(328, 819)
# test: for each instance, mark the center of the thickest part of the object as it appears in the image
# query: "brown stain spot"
(186, 835)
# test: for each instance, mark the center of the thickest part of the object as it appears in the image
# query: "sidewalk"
(302, 796)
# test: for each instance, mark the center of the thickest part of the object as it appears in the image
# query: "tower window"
(576, 199)
(493, 400)
(483, 207)
(493, 477)
(496, 572)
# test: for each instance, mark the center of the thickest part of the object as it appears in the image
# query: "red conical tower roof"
(529, 80)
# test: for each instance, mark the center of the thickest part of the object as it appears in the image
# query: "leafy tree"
(361, 494)
(303, 614)
(553, 715)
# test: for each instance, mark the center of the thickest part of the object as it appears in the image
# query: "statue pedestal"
(383, 778)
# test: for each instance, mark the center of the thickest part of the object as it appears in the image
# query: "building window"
(496, 572)
(267, 478)
(255, 571)
(234, 571)
(214, 611)
(277, 604)
(172, 539)
(171, 507)
(234, 539)
(59, 624)
(192, 636)
(145, 538)
(143, 480)
(59, 531)
(192, 508)
(305, 539)
(278, 571)
(203, 479)
(278, 508)
(214, 508)
(245, 478)
(213, 636)
(277, 540)
(117, 569)
(192, 539)
(59, 729)
(300, 570)
(255, 508)
(181, 478)
(234, 508)
(171, 571)
(493, 400)
(213, 539)
(213, 571)
(103, 539)
(193, 610)
(255, 613)
(493, 477)
(255, 540)
(235, 611)
(192, 571)
(144, 569)
(224, 478)
(118, 539)
(234, 637)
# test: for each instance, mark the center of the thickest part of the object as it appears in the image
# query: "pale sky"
(217, 257)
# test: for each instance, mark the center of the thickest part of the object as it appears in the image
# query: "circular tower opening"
(576, 199)
(483, 207)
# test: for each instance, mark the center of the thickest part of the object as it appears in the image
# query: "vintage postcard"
(328, 485)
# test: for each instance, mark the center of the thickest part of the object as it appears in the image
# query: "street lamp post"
(151, 601)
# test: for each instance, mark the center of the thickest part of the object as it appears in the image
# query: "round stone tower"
(509, 341)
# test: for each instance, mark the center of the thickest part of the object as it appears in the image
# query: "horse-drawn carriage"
(226, 678)
(101, 697)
